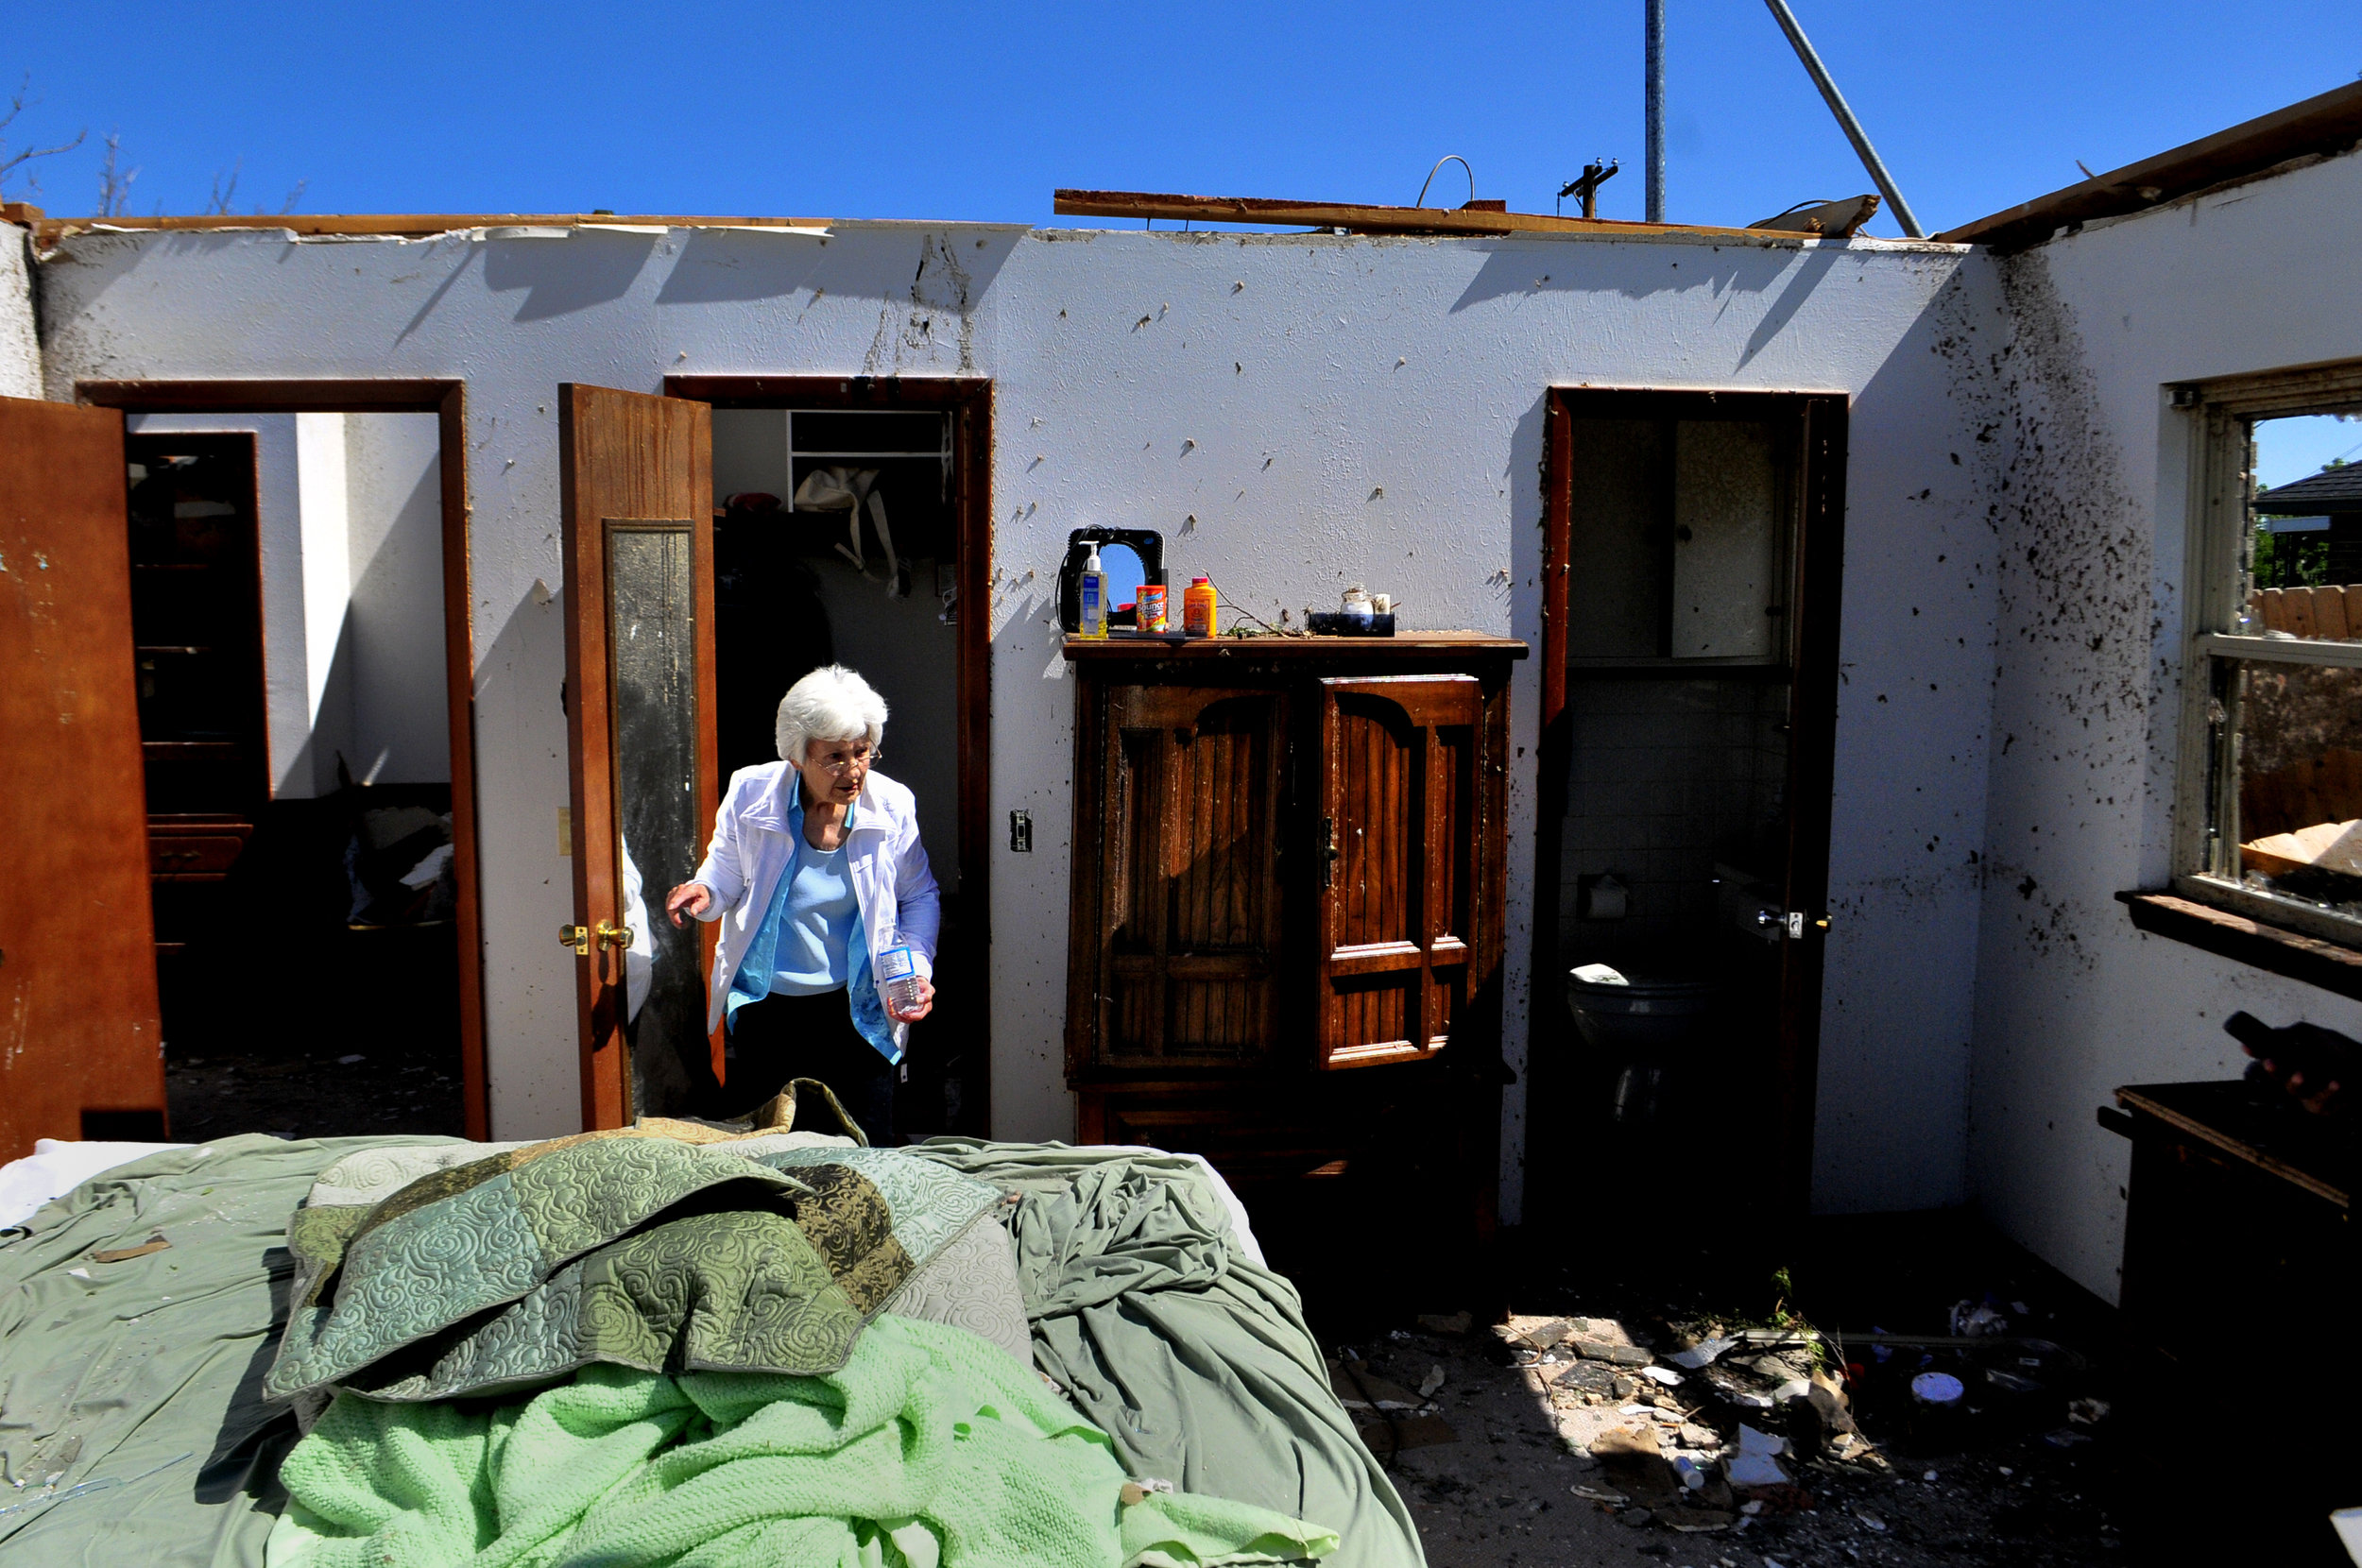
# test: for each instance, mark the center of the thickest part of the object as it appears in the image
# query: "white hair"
(831, 703)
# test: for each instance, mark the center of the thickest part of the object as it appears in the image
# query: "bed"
(143, 1312)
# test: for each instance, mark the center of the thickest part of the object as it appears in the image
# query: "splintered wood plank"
(2329, 612)
(2270, 610)
(1368, 219)
(2296, 608)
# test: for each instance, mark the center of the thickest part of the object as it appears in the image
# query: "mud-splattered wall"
(2085, 465)
(19, 345)
(1296, 413)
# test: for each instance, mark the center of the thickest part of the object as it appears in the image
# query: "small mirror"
(652, 663)
(1126, 574)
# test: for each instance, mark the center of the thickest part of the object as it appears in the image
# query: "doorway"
(806, 521)
(298, 556)
(1690, 553)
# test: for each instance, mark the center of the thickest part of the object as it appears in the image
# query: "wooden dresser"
(1287, 923)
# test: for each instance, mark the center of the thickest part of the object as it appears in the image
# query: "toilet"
(1642, 1026)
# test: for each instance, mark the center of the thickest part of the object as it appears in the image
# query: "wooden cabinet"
(1177, 921)
(1288, 864)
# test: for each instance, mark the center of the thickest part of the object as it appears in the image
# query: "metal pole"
(1845, 120)
(1657, 110)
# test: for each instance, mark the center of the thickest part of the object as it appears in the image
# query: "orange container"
(1197, 609)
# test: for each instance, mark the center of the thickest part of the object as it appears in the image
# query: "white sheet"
(57, 1166)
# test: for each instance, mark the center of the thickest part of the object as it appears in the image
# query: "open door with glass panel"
(638, 498)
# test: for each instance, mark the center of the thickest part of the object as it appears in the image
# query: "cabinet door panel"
(1399, 825)
(1191, 899)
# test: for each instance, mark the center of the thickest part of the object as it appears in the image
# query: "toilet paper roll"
(1604, 899)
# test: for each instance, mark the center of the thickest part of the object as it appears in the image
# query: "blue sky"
(978, 111)
(2290, 449)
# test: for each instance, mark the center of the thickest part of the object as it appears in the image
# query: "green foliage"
(2291, 560)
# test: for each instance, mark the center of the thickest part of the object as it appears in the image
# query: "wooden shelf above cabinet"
(1401, 645)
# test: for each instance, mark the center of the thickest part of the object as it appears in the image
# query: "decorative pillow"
(748, 1254)
(972, 1284)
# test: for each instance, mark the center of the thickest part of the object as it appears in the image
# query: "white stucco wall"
(1296, 413)
(393, 604)
(2088, 467)
(20, 341)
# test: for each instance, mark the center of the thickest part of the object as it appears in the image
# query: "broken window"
(2276, 701)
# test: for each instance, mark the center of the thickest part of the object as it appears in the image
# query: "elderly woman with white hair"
(818, 874)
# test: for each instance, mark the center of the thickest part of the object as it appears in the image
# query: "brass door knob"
(614, 936)
(576, 937)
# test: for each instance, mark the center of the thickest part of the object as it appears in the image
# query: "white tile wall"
(1666, 778)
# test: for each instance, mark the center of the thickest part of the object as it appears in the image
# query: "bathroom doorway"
(1691, 551)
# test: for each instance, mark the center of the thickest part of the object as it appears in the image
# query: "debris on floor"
(328, 1092)
(1579, 1439)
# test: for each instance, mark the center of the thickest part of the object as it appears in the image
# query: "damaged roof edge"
(2318, 127)
(47, 231)
(1361, 217)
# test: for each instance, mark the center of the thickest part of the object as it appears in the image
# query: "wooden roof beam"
(1361, 218)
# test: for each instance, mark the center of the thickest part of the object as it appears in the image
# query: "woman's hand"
(692, 898)
(926, 1004)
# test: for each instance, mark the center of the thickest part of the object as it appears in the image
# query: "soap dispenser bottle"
(1093, 597)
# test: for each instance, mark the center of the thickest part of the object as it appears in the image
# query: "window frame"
(2218, 578)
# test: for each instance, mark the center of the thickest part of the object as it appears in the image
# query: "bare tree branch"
(114, 181)
(226, 195)
(218, 205)
(11, 162)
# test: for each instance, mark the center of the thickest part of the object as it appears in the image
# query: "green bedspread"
(627, 1249)
(136, 1385)
(928, 1446)
(1193, 1359)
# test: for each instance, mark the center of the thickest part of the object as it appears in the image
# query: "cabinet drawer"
(194, 854)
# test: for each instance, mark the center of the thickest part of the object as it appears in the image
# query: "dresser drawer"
(194, 854)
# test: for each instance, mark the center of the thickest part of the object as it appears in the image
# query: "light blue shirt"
(816, 917)
(806, 945)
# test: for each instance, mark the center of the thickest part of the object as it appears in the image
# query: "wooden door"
(1399, 842)
(79, 1050)
(636, 479)
(1183, 915)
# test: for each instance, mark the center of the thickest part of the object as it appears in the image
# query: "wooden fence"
(2333, 612)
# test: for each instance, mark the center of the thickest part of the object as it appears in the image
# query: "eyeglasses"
(859, 760)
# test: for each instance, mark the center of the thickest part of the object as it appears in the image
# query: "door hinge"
(1328, 851)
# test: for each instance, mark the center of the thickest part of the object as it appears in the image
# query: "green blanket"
(632, 1247)
(130, 1392)
(1196, 1361)
(928, 1447)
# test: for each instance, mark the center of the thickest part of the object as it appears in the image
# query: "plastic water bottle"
(898, 979)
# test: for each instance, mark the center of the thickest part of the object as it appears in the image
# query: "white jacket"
(753, 847)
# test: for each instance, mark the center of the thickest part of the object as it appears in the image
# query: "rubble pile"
(1697, 1429)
